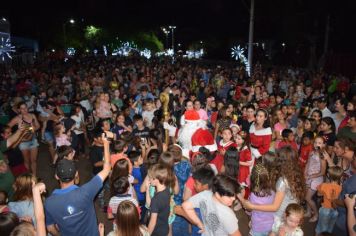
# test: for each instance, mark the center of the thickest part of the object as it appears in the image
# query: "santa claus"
(193, 134)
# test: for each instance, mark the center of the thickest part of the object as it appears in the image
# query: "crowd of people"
(176, 149)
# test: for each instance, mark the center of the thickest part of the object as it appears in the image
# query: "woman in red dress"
(260, 134)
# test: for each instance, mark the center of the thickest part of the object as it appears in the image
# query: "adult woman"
(260, 134)
(127, 221)
(351, 105)
(344, 150)
(78, 139)
(29, 144)
(317, 115)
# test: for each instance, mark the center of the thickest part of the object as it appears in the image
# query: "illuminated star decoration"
(6, 48)
(70, 51)
(237, 53)
(95, 51)
(146, 53)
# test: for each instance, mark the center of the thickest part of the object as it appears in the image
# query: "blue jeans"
(326, 221)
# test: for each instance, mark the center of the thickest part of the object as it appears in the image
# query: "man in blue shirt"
(71, 208)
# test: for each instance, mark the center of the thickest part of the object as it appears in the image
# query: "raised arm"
(106, 166)
(38, 208)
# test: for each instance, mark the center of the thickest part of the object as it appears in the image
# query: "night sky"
(284, 20)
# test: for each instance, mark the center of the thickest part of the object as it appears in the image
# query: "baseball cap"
(66, 170)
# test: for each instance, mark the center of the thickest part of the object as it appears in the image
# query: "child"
(137, 161)
(261, 193)
(140, 130)
(120, 147)
(314, 175)
(215, 203)
(3, 202)
(202, 181)
(288, 139)
(160, 203)
(329, 191)
(245, 160)
(60, 135)
(305, 148)
(291, 224)
(120, 125)
(231, 163)
(120, 191)
(223, 145)
(148, 113)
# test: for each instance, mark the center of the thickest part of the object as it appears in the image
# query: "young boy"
(288, 139)
(329, 191)
(202, 179)
(137, 161)
(160, 203)
(121, 188)
(140, 130)
(305, 148)
(148, 113)
(120, 147)
(215, 204)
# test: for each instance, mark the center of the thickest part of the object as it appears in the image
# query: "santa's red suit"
(193, 134)
(260, 141)
(244, 171)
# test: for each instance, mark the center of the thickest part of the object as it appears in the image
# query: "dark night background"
(296, 22)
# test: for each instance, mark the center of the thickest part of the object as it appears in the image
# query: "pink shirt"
(202, 114)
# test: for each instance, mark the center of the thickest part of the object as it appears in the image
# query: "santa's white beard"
(185, 134)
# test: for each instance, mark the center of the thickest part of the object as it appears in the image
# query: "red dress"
(219, 159)
(244, 171)
(304, 155)
(260, 140)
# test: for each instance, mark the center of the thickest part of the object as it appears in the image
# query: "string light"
(237, 53)
(71, 51)
(6, 48)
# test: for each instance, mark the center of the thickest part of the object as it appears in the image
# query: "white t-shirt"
(218, 219)
(148, 117)
(78, 120)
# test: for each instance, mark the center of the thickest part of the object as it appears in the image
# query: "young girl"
(224, 144)
(299, 131)
(261, 193)
(61, 137)
(120, 125)
(231, 163)
(328, 132)
(279, 126)
(310, 125)
(245, 159)
(289, 185)
(127, 221)
(23, 199)
(314, 175)
(305, 148)
(122, 168)
(290, 226)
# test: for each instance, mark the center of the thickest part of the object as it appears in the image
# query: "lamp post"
(250, 37)
(172, 28)
(71, 21)
(166, 33)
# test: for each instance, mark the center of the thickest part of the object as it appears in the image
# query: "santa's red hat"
(191, 116)
(203, 138)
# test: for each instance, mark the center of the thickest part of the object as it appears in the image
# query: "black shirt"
(160, 204)
(96, 154)
(145, 133)
(329, 138)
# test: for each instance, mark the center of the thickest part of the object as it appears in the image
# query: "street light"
(71, 21)
(172, 27)
(166, 32)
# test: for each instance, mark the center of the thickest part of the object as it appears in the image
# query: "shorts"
(314, 183)
(259, 233)
(48, 137)
(326, 221)
(29, 144)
